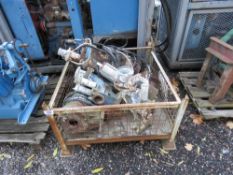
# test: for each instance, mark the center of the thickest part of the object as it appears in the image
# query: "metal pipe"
(117, 107)
(51, 103)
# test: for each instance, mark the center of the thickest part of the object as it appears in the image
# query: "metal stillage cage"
(158, 119)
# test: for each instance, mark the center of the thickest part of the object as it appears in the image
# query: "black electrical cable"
(112, 51)
(168, 18)
(167, 13)
(112, 39)
(113, 58)
(164, 44)
(132, 55)
(109, 50)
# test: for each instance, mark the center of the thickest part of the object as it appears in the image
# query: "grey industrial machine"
(193, 22)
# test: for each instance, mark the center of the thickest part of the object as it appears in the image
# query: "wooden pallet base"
(200, 97)
(35, 130)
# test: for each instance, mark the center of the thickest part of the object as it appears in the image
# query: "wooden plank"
(38, 120)
(205, 104)
(34, 138)
(187, 81)
(198, 92)
(37, 127)
(39, 113)
(49, 91)
(32, 120)
(188, 74)
(47, 98)
(53, 86)
(53, 80)
(204, 69)
(210, 114)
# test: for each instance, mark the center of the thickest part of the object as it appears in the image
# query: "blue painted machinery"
(47, 25)
(114, 17)
(22, 26)
(44, 26)
(20, 86)
(108, 17)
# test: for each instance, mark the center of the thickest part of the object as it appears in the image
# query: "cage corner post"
(65, 151)
(170, 144)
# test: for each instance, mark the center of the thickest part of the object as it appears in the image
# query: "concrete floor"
(212, 154)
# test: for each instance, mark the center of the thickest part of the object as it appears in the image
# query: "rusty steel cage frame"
(53, 112)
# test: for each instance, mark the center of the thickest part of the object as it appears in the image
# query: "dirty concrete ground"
(212, 153)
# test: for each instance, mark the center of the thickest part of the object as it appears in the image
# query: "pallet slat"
(197, 92)
(37, 127)
(32, 120)
(22, 138)
(190, 81)
(189, 74)
(200, 97)
(209, 114)
(206, 104)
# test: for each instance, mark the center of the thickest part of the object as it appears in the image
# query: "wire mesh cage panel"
(81, 124)
(115, 124)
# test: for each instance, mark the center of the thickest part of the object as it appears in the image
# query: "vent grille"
(202, 27)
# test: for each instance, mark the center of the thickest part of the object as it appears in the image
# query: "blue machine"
(75, 18)
(44, 29)
(20, 87)
(22, 26)
(109, 17)
(113, 17)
